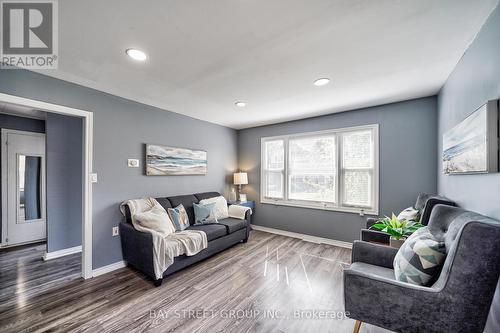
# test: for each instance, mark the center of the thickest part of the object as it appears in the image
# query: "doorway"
(87, 136)
(23, 187)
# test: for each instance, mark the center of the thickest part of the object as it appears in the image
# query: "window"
(335, 170)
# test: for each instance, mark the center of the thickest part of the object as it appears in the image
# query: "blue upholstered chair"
(460, 298)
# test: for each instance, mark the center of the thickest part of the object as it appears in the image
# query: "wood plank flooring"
(270, 284)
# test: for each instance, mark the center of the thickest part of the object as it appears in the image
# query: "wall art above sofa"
(472, 145)
(168, 161)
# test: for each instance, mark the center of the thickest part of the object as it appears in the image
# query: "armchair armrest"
(374, 254)
(375, 236)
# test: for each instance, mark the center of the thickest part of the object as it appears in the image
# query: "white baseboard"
(304, 237)
(108, 268)
(62, 253)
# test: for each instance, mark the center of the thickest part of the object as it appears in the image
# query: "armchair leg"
(357, 325)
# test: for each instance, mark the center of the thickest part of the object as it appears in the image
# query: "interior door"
(25, 182)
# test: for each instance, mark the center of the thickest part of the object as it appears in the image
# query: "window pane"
(357, 150)
(274, 181)
(312, 169)
(275, 155)
(274, 165)
(357, 188)
(312, 187)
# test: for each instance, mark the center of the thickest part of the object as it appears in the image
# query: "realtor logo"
(29, 34)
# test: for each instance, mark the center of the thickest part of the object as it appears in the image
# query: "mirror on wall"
(29, 175)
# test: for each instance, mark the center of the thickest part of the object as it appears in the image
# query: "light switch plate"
(115, 231)
(93, 177)
(132, 163)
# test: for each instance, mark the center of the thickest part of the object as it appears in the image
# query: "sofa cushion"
(206, 195)
(164, 203)
(213, 231)
(187, 201)
(233, 224)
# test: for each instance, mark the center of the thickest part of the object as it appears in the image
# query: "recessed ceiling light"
(321, 82)
(136, 54)
(240, 104)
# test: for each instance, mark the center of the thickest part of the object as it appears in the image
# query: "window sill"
(353, 210)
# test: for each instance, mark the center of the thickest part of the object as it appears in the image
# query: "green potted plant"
(398, 229)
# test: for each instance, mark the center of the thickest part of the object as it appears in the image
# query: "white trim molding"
(88, 133)
(108, 268)
(304, 237)
(61, 253)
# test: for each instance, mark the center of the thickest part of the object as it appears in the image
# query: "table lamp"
(240, 178)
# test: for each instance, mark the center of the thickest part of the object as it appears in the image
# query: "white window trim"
(337, 206)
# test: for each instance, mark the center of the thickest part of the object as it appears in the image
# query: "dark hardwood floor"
(270, 284)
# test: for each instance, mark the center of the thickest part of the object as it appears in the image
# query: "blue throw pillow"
(204, 213)
(179, 217)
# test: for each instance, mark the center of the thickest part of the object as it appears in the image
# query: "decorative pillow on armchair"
(420, 258)
(179, 217)
(410, 214)
(204, 214)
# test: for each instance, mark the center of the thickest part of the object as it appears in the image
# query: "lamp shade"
(240, 178)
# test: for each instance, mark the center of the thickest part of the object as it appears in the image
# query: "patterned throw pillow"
(179, 217)
(410, 214)
(420, 258)
(204, 214)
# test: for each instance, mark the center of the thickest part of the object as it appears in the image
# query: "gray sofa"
(424, 204)
(458, 301)
(137, 247)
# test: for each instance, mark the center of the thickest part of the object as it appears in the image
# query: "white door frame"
(5, 177)
(88, 131)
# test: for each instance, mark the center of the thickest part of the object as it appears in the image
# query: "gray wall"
(475, 80)
(407, 165)
(121, 128)
(64, 181)
(20, 124)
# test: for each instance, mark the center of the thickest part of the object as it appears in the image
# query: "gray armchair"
(460, 298)
(424, 204)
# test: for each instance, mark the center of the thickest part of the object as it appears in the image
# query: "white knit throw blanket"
(238, 212)
(165, 249)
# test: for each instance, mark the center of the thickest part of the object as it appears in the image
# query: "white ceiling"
(206, 55)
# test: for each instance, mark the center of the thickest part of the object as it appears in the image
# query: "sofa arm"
(248, 220)
(374, 254)
(137, 248)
